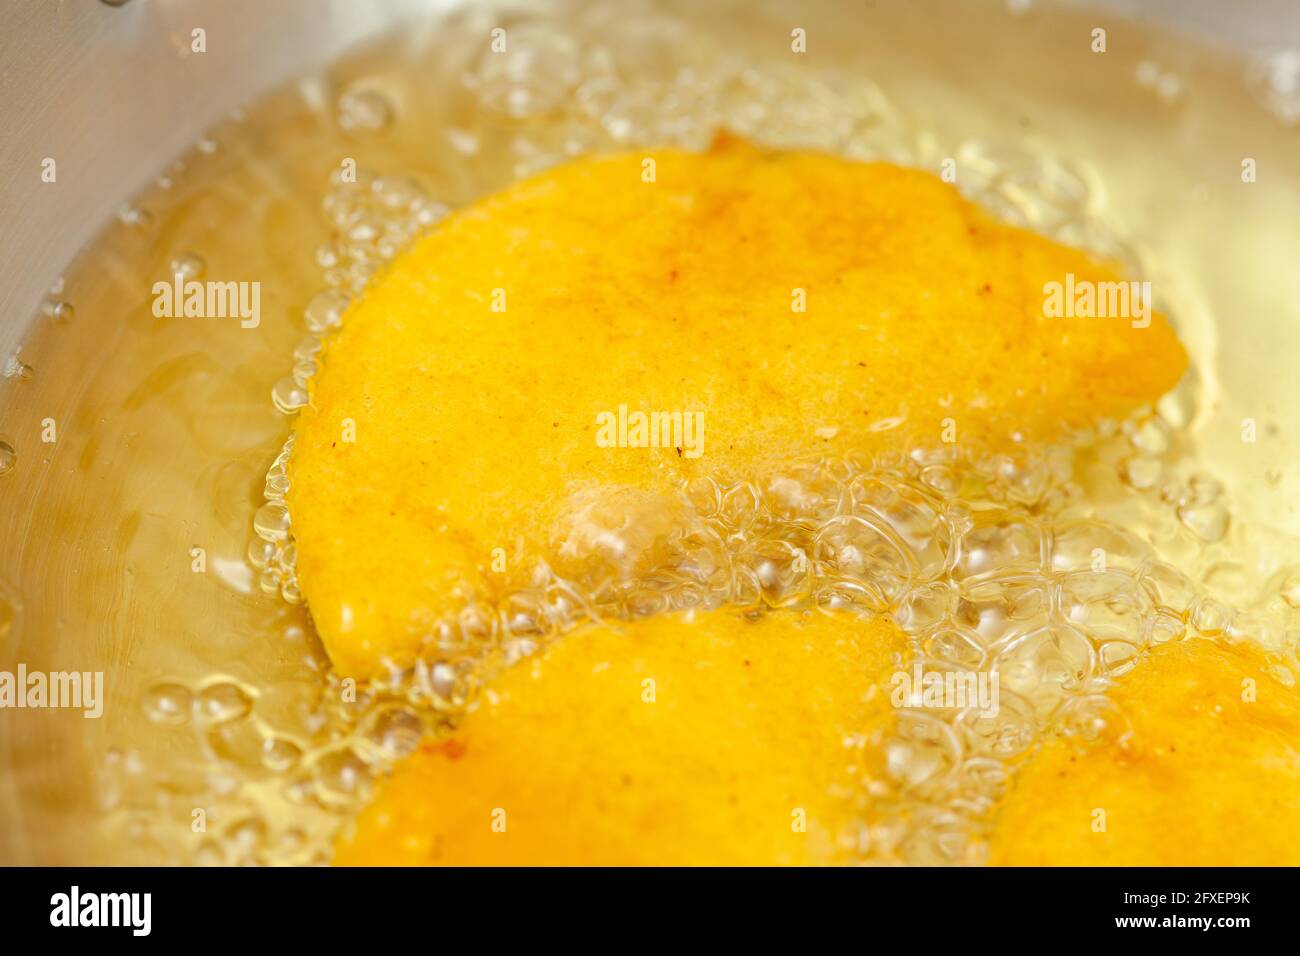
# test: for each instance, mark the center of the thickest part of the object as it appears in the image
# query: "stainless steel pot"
(111, 92)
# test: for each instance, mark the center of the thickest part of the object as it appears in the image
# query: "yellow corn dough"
(794, 299)
(1209, 777)
(671, 740)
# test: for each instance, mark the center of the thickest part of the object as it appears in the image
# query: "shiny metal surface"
(114, 94)
(1246, 25)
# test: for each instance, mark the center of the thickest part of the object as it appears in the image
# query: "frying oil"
(144, 537)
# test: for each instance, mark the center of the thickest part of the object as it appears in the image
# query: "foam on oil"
(227, 739)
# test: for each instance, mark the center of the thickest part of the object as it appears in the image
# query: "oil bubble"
(187, 265)
(168, 703)
(59, 311)
(132, 215)
(271, 521)
(289, 395)
(279, 754)
(223, 702)
(364, 111)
